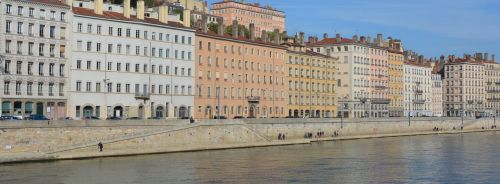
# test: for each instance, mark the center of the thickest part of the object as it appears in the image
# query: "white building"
(437, 93)
(130, 66)
(417, 88)
(492, 86)
(33, 65)
(362, 74)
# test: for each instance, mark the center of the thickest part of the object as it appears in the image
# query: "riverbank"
(78, 141)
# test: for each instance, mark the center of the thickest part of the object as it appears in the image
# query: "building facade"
(396, 62)
(417, 88)
(311, 82)
(362, 74)
(33, 57)
(437, 92)
(129, 66)
(265, 18)
(238, 76)
(492, 86)
(464, 85)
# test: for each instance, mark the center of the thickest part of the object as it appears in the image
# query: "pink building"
(379, 77)
(264, 17)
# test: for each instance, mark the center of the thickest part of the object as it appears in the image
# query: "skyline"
(417, 23)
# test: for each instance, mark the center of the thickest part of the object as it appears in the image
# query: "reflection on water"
(467, 158)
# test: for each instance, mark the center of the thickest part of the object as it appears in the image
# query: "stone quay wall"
(28, 140)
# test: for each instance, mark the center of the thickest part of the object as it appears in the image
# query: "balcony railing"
(143, 96)
(493, 99)
(497, 83)
(418, 101)
(493, 91)
(255, 99)
(380, 87)
(419, 91)
(380, 101)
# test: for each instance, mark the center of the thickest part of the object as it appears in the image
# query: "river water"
(458, 158)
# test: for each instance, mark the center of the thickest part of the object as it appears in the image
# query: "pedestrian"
(283, 137)
(279, 136)
(191, 120)
(100, 146)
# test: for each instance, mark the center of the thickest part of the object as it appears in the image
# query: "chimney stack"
(220, 29)
(70, 4)
(486, 56)
(126, 8)
(338, 39)
(493, 57)
(276, 36)
(363, 39)
(264, 36)
(242, 32)
(285, 35)
(204, 21)
(325, 35)
(355, 38)
(140, 10)
(301, 36)
(421, 59)
(479, 56)
(235, 29)
(369, 39)
(162, 15)
(186, 15)
(98, 7)
(252, 31)
(310, 39)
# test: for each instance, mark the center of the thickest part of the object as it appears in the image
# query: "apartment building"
(396, 86)
(238, 76)
(34, 57)
(437, 92)
(311, 81)
(362, 74)
(417, 88)
(265, 18)
(127, 66)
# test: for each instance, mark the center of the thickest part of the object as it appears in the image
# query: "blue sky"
(429, 27)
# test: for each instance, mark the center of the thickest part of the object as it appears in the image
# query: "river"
(457, 158)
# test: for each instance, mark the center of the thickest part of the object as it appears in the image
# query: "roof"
(332, 41)
(465, 61)
(120, 16)
(226, 36)
(52, 2)
(415, 63)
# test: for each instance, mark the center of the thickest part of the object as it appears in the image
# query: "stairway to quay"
(25, 141)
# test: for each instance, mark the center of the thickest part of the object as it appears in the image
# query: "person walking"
(100, 146)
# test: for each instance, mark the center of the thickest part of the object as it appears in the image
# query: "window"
(78, 64)
(127, 32)
(18, 87)
(99, 29)
(29, 88)
(51, 89)
(40, 89)
(78, 85)
(31, 29)
(8, 9)
(110, 31)
(51, 69)
(40, 69)
(98, 87)
(8, 25)
(19, 67)
(61, 70)
(79, 27)
(119, 31)
(19, 28)
(30, 68)
(6, 90)
(41, 31)
(20, 10)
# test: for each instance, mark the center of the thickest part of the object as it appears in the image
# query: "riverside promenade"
(23, 141)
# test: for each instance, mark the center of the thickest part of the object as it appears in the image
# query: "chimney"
(140, 9)
(252, 31)
(338, 39)
(204, 27)
(355, 38)
(264, 36)
(421, 59)
(310, 39)
(479, 56)
(369, 39)
(285, 35)
(486, 56)
(301, 37)
(70, 3)
(235, 28)
(325, 35)
(379, 38)
(242, 32)
(186, 18)
(126, 8)
(220, 30)
(276, 36)
(98, 7)
(493, 57)
(162, 15)
(363, 39)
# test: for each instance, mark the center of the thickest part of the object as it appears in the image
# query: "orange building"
(238, 76)
(265, 18)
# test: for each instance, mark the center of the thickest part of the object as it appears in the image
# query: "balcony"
(493, 91)
(497, 83)
(418, 101)
(380, 87)
(493, 99)
(419, 91)
(253, 99)
(380, 101)
(142, 96)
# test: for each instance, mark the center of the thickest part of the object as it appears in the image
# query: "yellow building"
(396, 62)
(310, 81)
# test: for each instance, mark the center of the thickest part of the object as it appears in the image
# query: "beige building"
(311, 81)
(492, 86)
(396, 62)
(437, 92)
